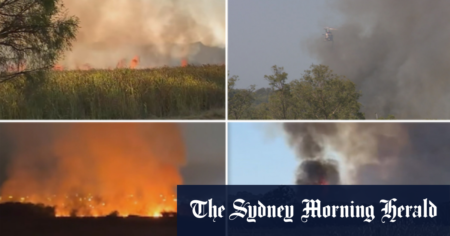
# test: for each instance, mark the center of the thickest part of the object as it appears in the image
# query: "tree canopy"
(239, 100)
(318, 94)
(33, 35)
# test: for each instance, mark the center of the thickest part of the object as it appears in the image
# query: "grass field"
(192, 92)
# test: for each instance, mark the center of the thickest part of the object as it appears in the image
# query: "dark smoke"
(371, 153)
(397, 53)
(317, 172)
(308, 142)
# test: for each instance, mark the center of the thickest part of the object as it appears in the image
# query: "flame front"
(97, 169)
(89, 205)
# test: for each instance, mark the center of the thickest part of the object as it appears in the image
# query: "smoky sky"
(204, 144)
(158, 32)
(373, 153)
(397, 54)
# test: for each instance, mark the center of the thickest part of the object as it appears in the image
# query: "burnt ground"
(18, 219)
(88, 226)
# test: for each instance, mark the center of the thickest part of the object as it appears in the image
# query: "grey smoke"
(397, 53)
(372, 153)
(160, 32)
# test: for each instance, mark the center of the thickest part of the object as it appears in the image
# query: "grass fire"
(116, 59)
(98, 169)
(77, 205)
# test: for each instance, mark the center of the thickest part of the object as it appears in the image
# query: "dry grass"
(163, 93)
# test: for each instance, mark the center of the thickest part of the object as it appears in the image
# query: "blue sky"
(258, 154)
(263, 33)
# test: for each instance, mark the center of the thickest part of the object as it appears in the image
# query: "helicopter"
(328, 34)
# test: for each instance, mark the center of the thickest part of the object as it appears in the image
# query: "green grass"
(193, 92)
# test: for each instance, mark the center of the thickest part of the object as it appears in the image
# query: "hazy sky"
(258, 156)
(205, 147)
(263, 33)
(205, 153)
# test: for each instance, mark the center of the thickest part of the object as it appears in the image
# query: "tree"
(320, 94)
(261, 112)
(232, 82)
(33, 35)
(239, 100)
(278, 106)
(278, 83)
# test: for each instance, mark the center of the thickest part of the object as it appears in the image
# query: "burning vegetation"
(172, 54)
(96, 169)
(122, 64)
(145, 34)
(88, 205)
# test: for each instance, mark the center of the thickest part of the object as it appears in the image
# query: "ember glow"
(96, 169)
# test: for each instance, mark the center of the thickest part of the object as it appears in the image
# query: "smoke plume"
(397, 54)
(94, 169)
(365, 153)
(160, 32)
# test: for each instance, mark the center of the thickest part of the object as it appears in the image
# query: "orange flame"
(134, 63)
(58, 67)
(96, 169)
(184, 63)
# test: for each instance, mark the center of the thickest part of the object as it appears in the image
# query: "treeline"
(319, 94)
(25, 210)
